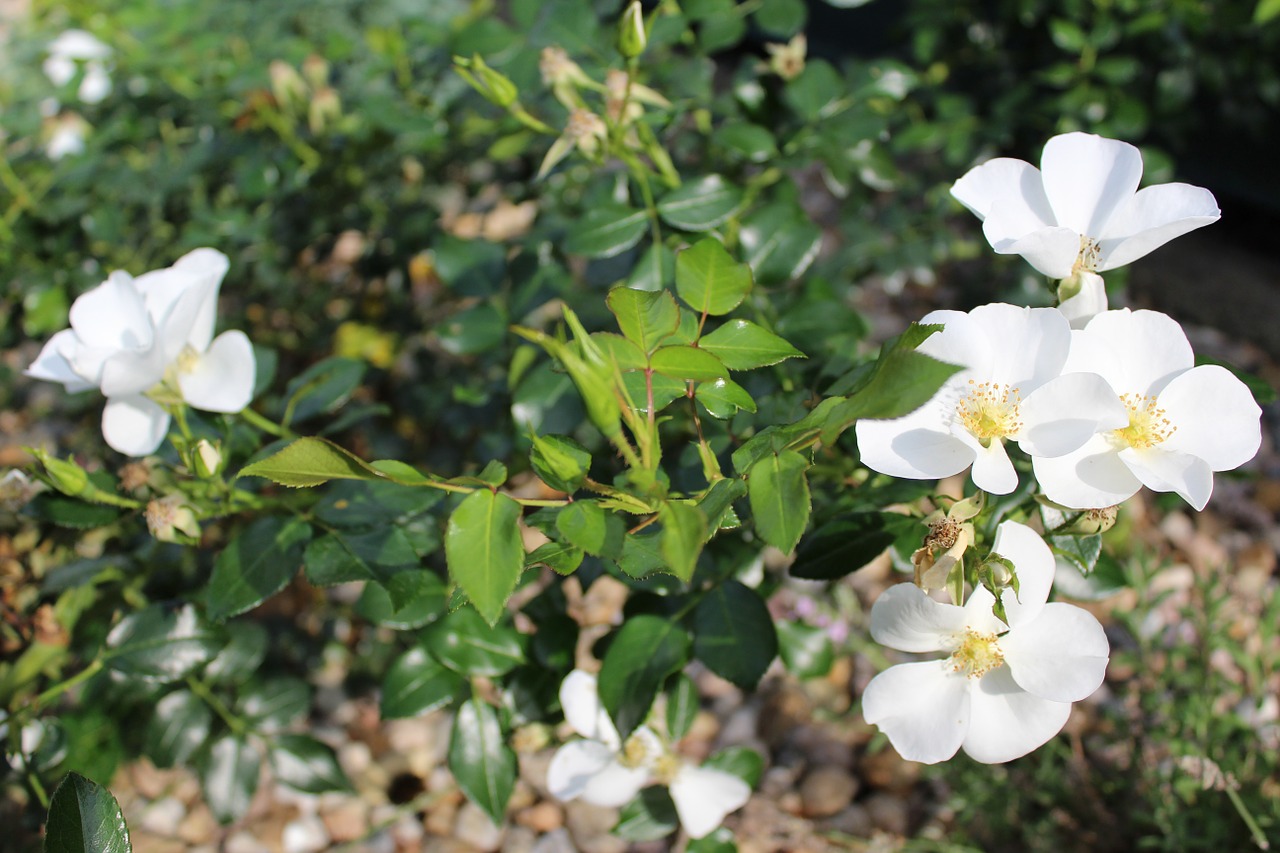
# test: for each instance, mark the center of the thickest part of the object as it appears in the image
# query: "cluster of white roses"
(1103, 401)
(604, 770)
(147, 343)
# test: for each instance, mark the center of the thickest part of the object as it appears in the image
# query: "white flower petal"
(978, 614)
(992, 470)
(907, 619)
(1064, 413)
(704, 796)
(1137, 352)
(1027, 346)
(222, 378)
(1052, 251)
(125, 373)
(199, 272)
(918, 446)
(96, 84)
(1216, 417)
(574, 766)
(112, 316)
(1061, 654)
(59, 69)
(615, 785)
(1089, 478)
(1033, 561)
(1087, 178)
(1012, 185)
(1088, 302)
(961, 341)
(583, 711)
(79, 44)
(52, 364)
(1006, 722)
(1170, 471)
(1153, 217)
(923, 708)
(134, 425)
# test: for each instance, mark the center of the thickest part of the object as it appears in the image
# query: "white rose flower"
(71, 49)
(1010, 389)
(132, 337)
(1003, 690)
(605, 771)
(1082, 209)
(1182, 422)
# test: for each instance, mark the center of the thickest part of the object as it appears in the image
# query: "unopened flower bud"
(316, 70)
(496, 87)
(1092, 521)
(632, 37)
(206, 459)
(288, 87)
(326, 108)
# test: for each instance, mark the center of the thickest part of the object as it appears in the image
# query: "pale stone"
(474, 827)
(305, 835)
(163, 816)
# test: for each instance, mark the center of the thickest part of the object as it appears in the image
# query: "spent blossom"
(1081, 211)
(1011, 388)
(1182, 422)
(1005, 687)
(605, 770)
(147, 343)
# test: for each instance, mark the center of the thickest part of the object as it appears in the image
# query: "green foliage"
(85, 818)
(480, 759)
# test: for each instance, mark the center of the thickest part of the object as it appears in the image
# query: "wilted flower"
(68, 52)
(169, 516)
(787, 60)
(1182, 422)
(620, 89)
(606, 771)
(585, 131)
(147, 342)
(1005, 688)
(1010, 389)
(950, 535)
(16, 490)
(1082, 209)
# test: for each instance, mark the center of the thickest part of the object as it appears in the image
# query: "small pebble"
(888, 812)
(305, 835)
(826, 790)
(475, 828)
(163, 816)
(543, 817)
(557, 841)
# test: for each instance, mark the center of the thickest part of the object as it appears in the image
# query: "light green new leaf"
(709, 280)
(310, 462)
(684, 530)
(779, 496)
(688, 363)
(644, 317)
(742, 345)
(484, 551)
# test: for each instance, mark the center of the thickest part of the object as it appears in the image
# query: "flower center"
(942, 534)
(636, 752)
(990, 411)
(1090, 255)
(666, 768)
(977, 655)
(187, 359)
(1148, 425)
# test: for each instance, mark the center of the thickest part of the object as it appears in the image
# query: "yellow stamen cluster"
(666, 768)
(1148, 424)
(1090, 256)
(990, 411)
(187, 359)
(977, 655)
(635, 752)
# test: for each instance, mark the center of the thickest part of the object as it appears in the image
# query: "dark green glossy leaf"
(709, 280)
(468, 645)
(700, 205)
(719, 841)
(474, 330)
(307, 765)
(162, 644)
(484, 550)
(85, 818)
(741, 761)
(343, 556)
(409, 599)
(255, 565)
(779, 495)
(229, 777)
(607, 231)
(749, 141)
(742, 345)
(733, 634)
(275, 703)
(178, 728)
(682, 706)
(644, 652)
(240, 657)
(723, 398)
(585, 525)
(480, 760)
(417, 683)
(717, 503)
(323, 387)
(649, 817)
(844, 545)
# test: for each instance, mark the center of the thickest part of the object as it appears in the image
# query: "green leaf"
(275, 703)
(310, 462)
(1081, 551)
(719, 841)
(844, 545)
(377, 503)
(480, 760)
(901, 381)
(717, 503)
(465, 643)
(587, 526)
(644, 317)
(342, 557)
(817, 92)
(742, 761)
(649, 817)
(644, 652)
(484, 550)
(709, 280)
(684, 530)
(742, 345)
(162, 644)
(555, 641)
(240, 657)
(682, 706)
(779, 243)
(749, 141)
(779, 495)
(622, 352)
(230, 777)
(733, 634)
(560, 462)
(700, 205)
(607, 231)
(688, 363)
(416, 684)
(642, 554)
(560, 557)
(474, 330)
(723, 398)
(409, 599)
(307, 765)
(666, 389)
(72, 512)
(806, 650)
(1265, 11)
(178, 728)
(323, 387)
(255, 565)
(85, 818)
